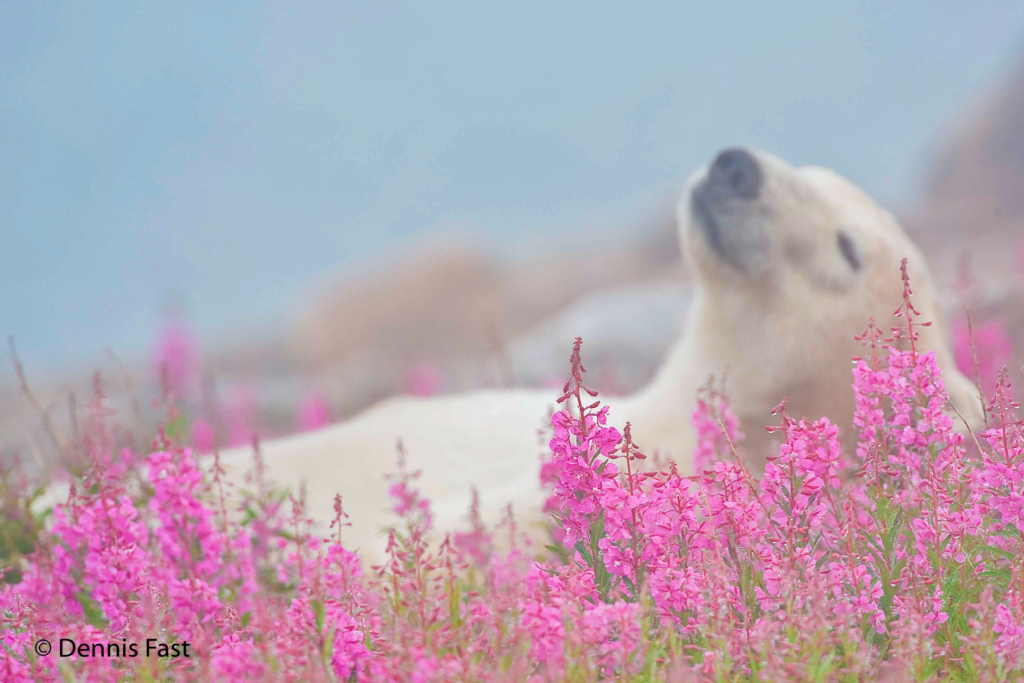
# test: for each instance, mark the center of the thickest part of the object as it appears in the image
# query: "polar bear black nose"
(736, 172)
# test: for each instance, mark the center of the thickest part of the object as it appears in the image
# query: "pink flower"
(713, 444)
(235, 659)
(203, 436)
(988, 343)
(175, 359)
(424, 379)
(315, 412)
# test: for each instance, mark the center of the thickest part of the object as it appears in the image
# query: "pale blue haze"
(226, 153)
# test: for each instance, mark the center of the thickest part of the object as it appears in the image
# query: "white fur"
(785, 327)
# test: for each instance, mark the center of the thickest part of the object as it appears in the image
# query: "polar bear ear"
(849, 249)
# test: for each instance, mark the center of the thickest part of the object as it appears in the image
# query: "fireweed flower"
(315, 411)
(713, 442)
(981, 350)
(175, 358)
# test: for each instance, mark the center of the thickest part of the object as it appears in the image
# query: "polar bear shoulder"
(489, 440)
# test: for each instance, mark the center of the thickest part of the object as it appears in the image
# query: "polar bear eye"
(849, 250)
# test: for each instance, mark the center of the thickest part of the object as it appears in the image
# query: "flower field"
(895, 553)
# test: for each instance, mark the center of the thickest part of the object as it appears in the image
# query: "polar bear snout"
(735, 174)
(723, 203)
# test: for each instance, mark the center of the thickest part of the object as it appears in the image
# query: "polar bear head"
(790, 264)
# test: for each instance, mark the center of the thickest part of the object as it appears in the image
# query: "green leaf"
(91, 609)
(318, 613)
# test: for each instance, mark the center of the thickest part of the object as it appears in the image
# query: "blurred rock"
(626, 332)
(970, 221)
(482, 321)
(973, 206)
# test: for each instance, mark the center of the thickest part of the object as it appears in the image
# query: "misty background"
(237, 159)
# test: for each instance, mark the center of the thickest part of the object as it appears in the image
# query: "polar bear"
(789, 263)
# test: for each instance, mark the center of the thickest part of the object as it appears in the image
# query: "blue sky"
(229, 154)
